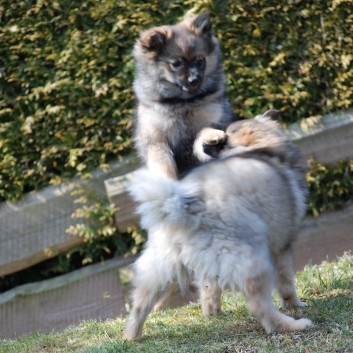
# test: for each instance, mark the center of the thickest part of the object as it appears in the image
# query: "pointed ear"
(154, 40)
(272, 114)
(200, 24)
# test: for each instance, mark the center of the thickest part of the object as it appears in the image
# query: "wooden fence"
(35, 229)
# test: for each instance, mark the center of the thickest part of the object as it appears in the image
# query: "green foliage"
(329, 187)
(97, 216)
(291, 55)
(66, 71)
(97, 212)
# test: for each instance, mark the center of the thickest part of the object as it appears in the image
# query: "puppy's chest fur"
(176, 126)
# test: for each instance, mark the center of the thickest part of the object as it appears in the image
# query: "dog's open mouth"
(188, 89)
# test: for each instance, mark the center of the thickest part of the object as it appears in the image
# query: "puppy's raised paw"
(209, 143)
(211, 136)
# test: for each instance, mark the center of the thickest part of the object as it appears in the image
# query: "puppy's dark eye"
(200, 63)
(175, 64)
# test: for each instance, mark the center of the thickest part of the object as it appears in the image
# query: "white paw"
(303, 324)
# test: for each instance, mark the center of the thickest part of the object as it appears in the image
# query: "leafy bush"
(97, 215)
(329, 187)
(292, 55)
(66, 74)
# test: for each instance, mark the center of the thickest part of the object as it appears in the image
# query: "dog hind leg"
(153, 279)
(166, 298)
(258, 295)
(144, 298)
(285, 279)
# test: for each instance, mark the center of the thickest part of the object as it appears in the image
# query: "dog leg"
(285, 279)
(258, 295)
(145, 296)
(159, 158)
(165, 300)
(210, 297)
(149, 286)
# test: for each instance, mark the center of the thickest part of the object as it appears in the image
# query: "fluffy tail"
(161, 199)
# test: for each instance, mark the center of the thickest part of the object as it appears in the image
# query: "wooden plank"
(92, 293)
(116, 189)
(39, 256)
(327, 139)
(29, 227)
(34, 229)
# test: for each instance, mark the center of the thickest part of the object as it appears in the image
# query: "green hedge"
(66, 74)
(295, 56)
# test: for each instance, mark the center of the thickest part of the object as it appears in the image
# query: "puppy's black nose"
(193, 80)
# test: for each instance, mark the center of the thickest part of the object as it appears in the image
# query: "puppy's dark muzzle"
(194, 80)
(192, 83)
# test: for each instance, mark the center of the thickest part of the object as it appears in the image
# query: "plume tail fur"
(162, 199)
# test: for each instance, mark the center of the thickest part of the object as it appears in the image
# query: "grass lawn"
(327, 289)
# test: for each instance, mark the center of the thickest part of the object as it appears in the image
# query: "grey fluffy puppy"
(229, 223)
(179, 87)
